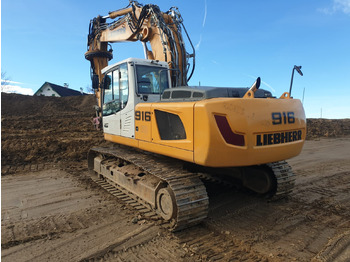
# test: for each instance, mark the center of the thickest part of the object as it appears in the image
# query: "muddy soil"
(51, 209)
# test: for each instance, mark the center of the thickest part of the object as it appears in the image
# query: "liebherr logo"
(278, 138)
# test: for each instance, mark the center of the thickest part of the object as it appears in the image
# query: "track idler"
(166, 204)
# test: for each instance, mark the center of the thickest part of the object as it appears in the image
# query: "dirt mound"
(21, 105)
(46, 129)
(327, 128)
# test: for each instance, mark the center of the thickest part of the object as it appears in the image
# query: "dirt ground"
(52, 211)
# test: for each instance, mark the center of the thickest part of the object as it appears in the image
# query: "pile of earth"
(334, 128)
(46, 129)
(51, 129)
(22, 105)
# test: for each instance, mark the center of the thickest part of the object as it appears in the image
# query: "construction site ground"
(51, 210)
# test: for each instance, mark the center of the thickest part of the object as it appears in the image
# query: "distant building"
(49, 89)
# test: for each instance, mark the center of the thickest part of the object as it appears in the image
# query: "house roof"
(62, 91)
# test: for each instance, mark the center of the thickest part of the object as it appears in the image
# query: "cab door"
(111, 103)
(127, 105)
(117, 113)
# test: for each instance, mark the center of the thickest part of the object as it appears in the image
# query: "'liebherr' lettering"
(278, 138)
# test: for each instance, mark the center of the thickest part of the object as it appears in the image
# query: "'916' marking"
(143, 115)
(283, 118)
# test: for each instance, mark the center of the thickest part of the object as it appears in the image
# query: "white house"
(49, 89)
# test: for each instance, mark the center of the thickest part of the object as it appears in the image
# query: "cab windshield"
(151, 79)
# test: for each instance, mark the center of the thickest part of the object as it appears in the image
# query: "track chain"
(190, 193)
(285, 179)
(142, 207)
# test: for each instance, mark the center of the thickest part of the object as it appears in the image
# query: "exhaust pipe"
(252, 89)
(256, 85)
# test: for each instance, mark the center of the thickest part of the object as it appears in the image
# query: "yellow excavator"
(171, 137)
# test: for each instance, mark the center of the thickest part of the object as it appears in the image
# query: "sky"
(235, 42)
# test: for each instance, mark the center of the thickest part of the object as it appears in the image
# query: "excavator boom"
(163, 31)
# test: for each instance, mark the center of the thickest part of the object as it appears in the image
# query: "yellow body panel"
(185, 111)
(143, 128)
(146, 129)
(253, 120)
(250, 118)
(122, 140)
(167, 150)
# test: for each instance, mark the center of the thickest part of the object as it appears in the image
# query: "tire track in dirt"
(101, 231)
(209, 244)
(148, 245)
(38, 213)
(337, 249)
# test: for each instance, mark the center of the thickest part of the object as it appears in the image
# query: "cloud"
(337, 6)
(263, 82)
(203, 24)
(11, 82)
(271, 88)
(205, 12)
(199, 43)
(16, 89)
(343, 5)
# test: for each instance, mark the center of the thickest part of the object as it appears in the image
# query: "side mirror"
(95, 81)
(298, 70)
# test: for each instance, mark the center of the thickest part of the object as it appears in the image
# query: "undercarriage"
(174, 189)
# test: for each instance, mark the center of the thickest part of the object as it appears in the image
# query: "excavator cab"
(125, 84)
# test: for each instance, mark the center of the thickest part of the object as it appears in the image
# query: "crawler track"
(285, 178)
(191, 198)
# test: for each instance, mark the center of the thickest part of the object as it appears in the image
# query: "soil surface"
(52, 210)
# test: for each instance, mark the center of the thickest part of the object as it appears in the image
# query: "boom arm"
(146, 24)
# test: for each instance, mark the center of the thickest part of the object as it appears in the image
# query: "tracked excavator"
(170, 137)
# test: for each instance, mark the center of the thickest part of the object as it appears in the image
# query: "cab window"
(108, 91)
(124, 85)
(116, 92)
(151, 79)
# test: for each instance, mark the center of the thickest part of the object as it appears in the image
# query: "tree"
(4, 81)
(89, 89)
